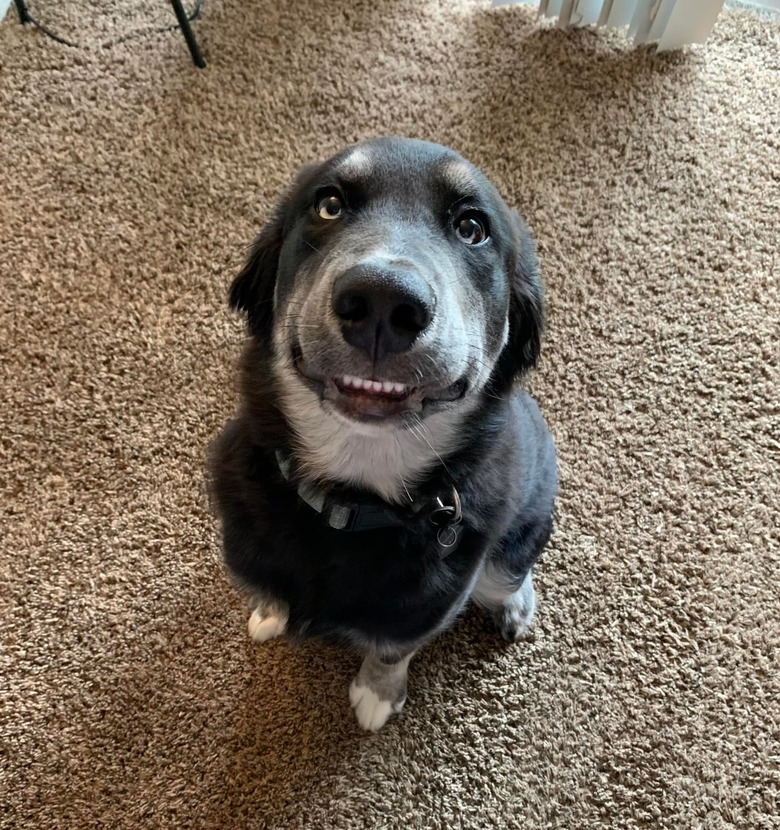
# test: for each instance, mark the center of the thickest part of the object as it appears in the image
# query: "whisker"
(423, 430)
(418, 431)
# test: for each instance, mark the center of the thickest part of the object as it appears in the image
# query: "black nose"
(382, 310)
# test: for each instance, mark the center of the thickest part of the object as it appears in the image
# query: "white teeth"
(387, 387)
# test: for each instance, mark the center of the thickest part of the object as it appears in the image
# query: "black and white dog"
(384, 467)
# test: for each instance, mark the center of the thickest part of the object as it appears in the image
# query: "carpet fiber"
(130, 185)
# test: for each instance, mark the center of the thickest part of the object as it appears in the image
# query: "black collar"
(357, 515)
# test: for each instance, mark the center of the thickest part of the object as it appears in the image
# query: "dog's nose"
(382, 310)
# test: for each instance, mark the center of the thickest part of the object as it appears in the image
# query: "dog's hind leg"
(379, 690)
(505, 587)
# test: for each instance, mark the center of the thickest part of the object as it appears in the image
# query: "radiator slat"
(606, 9)
(642, 20)
(661, 21)
(564, 16)
(621, 13)
(586, 12)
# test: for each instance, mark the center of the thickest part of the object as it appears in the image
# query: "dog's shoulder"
(507, 461)
(241, 463)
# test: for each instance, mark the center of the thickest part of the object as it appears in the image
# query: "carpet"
(131, 184)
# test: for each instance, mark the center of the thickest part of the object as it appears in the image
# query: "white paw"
(516, 616)
(372, 713)
(515, 625)
(262, 628)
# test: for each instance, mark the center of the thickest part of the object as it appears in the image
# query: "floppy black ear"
(252, 291)
(526, 308)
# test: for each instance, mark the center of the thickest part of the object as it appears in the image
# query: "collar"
(357, 515)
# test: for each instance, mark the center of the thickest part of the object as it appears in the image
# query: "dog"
(385, 465)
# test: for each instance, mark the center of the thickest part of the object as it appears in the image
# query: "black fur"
(388, 588)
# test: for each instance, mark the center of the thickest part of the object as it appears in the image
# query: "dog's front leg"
(267, 621)
(379, 690)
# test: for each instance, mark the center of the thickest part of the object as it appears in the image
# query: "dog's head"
(393, 282)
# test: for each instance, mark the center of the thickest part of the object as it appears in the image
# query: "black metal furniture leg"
(181, 16)
(24, 15)
(189, 36)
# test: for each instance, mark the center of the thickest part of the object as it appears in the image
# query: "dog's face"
(393, 282)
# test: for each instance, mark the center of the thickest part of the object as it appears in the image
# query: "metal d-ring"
(453, 512)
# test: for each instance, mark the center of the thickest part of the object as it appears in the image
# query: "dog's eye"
(330, 205)
(471, 229)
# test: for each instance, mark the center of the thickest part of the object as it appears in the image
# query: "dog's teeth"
(376, 387)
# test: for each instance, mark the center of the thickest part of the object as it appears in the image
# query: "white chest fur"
(386, 461)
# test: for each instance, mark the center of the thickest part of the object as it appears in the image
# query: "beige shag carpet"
(130, 183)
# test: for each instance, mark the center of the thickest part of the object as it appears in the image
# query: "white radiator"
(669, 23)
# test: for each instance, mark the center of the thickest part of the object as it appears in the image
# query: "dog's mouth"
(370, 399)
(377, 399)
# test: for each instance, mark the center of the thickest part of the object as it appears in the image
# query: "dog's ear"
(252, 291)
(526, 308)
